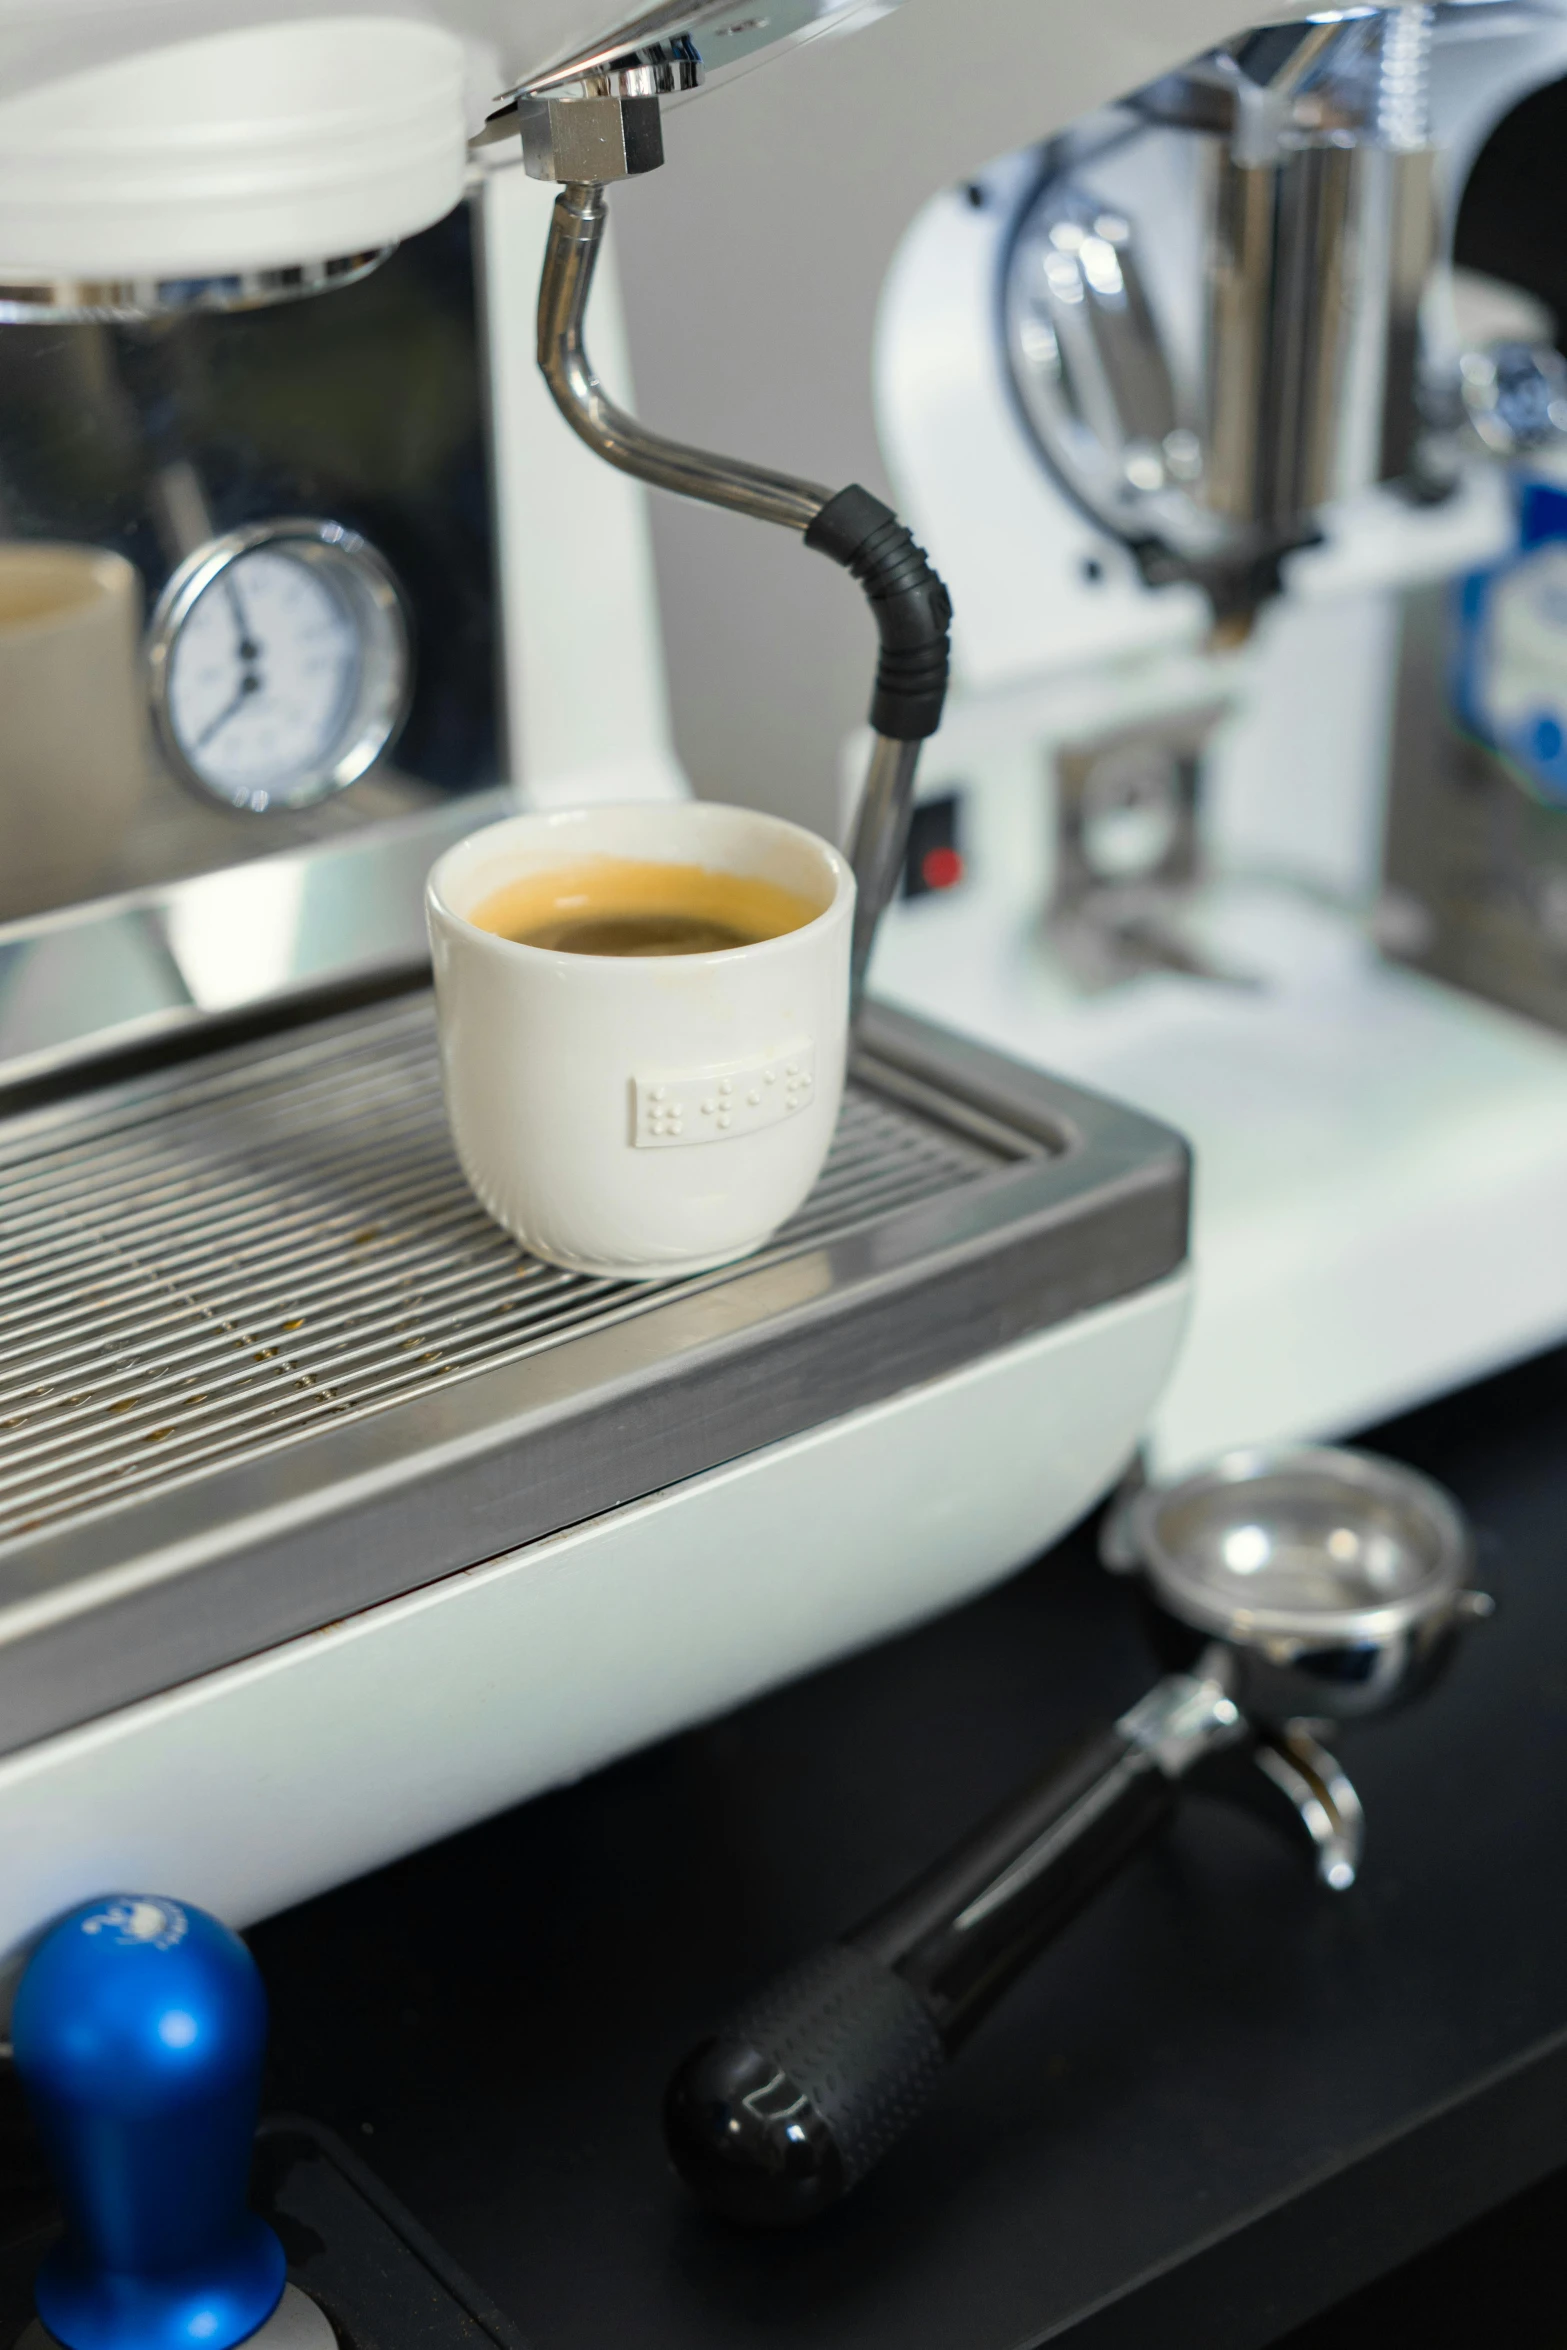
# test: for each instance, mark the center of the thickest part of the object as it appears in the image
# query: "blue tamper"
(139, 2028)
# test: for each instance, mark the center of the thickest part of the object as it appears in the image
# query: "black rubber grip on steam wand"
(804, 2090)
(910, 605)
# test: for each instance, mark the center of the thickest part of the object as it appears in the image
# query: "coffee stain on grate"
(283, 1240)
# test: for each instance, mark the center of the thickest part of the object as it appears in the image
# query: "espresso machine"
(1245, 807)
(332, 1522)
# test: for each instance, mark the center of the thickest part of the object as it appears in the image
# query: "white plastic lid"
(242, 150)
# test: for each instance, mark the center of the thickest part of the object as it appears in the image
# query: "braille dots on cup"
(665, 1115)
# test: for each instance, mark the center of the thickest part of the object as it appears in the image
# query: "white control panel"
(677, 1106)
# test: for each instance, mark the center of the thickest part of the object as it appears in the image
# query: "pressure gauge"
(278, 664)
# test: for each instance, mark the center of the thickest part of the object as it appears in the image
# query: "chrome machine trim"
(179, 956)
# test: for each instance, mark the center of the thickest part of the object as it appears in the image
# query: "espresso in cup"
(635, 906)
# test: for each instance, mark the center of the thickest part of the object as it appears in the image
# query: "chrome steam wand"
(908, 600)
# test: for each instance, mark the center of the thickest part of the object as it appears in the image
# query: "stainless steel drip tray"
(264, 1362)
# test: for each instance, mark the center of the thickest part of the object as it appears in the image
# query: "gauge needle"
(249, 684)
(249, 650)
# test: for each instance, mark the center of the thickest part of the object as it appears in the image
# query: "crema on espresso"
(634, 906)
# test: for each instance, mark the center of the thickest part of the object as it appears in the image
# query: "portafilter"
(1283, 1592)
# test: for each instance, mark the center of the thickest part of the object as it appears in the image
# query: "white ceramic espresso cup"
(640, 1115)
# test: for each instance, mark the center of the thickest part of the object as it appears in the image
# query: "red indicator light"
(941, 868)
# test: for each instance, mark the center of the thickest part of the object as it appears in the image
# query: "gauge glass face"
(264, 678)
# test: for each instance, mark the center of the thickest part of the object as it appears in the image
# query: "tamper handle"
(139, 2028)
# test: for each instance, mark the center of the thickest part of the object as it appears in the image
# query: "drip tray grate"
(265, 1363)
(222, 1261)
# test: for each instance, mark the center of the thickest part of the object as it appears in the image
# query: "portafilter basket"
(1284, 1591)
(1333, 1581)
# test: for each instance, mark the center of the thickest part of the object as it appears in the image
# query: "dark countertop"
(1225, 2099)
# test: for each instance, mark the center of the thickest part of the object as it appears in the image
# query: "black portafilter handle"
(779, 2114)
